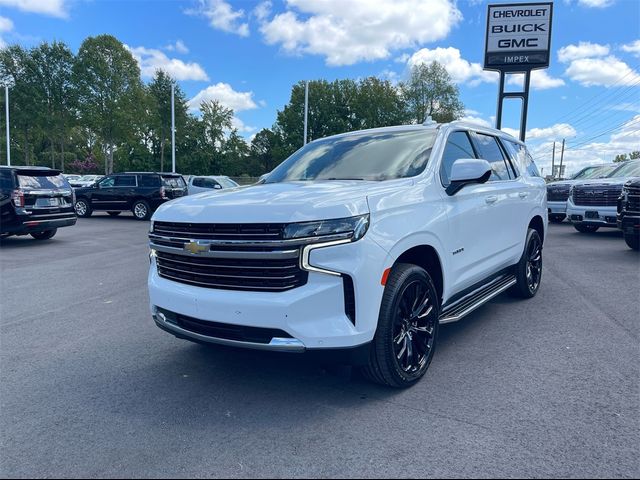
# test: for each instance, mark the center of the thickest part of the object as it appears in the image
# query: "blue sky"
(248, 54)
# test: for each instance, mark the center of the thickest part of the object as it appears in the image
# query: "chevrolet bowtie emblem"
(195, 247)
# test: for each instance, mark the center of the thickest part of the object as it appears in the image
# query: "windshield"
(360, 156)
(584, 173)
(173, 182)
(42, 181)
(226, 182)
(600, 172)
(627, 169)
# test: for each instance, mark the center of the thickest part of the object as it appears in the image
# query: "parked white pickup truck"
(360, 243)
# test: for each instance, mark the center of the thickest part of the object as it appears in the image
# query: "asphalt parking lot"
(91, 387)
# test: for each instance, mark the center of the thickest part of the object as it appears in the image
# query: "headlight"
(353, 227)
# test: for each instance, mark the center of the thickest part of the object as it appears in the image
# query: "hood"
(562, 183)
(604, 181)
(277, 202)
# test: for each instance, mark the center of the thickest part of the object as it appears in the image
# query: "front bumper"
(557, 208)
(606, 215)
(629, 224)
(313, 316)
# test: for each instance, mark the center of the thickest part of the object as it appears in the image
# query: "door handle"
(491, 199)
(523, 194)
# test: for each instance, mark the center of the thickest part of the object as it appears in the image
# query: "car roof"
(431, 126)
(164, 174)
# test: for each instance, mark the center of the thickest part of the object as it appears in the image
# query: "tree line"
(90, 112)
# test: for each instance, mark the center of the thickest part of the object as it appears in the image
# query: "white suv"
(358, 244)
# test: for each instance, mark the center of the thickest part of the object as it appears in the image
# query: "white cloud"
(359, 30)
(53, 8)
(633, 47)
(241, 126)
(226, 95)
(6, 25)
(151, 60)
(582, 50)
(179, 47)
(461, 70)
(595, 3)
(477, 120)
(262, 11)
(624, 140)
(556, 132)
(222, 16)
(604, 72)
(540, 80)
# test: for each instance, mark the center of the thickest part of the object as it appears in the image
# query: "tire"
(114, 214)
(632, 241)
(585, 228)
(529, 268)
(83, 208)
(141, 210)
(403, 329)
(46, 235)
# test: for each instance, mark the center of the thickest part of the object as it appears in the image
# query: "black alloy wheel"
(407, 332)
(528, 270)
(414, 327)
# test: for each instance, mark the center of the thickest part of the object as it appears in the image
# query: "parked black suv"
(629, 213)
(34, 201)
(140, 192)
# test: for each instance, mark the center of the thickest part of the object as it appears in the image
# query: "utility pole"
(561, 157)
(6, 104)
(173, 130)
(306, 110)
(553, 161)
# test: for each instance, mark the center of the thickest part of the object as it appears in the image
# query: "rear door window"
(148, 181)
(45, 182)
(204, 182)
(490, 151)
(125, 181)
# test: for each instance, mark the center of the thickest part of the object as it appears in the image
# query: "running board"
(475, 299)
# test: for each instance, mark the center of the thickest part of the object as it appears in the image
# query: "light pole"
(306, 109)
(6, 104)
(173, 131)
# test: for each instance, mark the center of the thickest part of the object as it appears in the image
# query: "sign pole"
(306, 110)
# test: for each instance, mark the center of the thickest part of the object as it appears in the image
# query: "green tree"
(54, 94)
(429, 92)
(634, 155)
(264, 150)
(17, 71)
(107, 79)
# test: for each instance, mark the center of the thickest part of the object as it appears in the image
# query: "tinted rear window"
(42, 181)
(148, 181)
(173, 182)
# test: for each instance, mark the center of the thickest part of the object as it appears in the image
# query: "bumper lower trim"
(276, 344)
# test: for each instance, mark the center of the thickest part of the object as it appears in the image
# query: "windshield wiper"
(343, 178)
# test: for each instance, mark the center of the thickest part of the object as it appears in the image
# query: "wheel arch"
(427, 257)
(538, 225)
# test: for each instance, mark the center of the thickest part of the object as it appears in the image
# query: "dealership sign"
(518, 36)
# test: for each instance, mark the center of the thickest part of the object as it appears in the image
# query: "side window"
(6, 179)
(513, 151)
(523, 159)
(107, 182)
(125, 181)
(198, 182)
(458, 146)
(490, 151)
(148, 181)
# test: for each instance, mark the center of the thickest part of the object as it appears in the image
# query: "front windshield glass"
(600, 172)
(627, 169)
(360, 156)
(584, 173)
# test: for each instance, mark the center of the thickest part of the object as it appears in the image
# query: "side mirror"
(217, 187)
(465, 171)
(96, 185)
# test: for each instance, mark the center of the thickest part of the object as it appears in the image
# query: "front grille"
(260, 274)
(220, 231)
(558, 194)
(597, 196)
(633, 199)
(224, 331)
